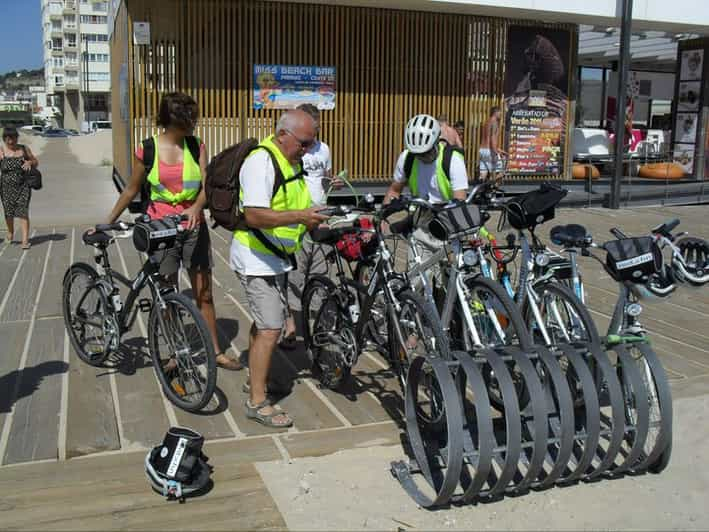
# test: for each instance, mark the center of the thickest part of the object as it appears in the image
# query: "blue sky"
(21, 35)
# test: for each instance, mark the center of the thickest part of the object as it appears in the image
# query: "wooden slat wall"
(391, 64)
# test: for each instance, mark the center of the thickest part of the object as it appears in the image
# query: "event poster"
(692, 65)
(684, 156)
(288, 86)
(536, 102)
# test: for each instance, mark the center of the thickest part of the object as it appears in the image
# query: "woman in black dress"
(15, 193)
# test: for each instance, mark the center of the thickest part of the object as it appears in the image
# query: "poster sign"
(288, 86)
(141, 33)
(536, 102)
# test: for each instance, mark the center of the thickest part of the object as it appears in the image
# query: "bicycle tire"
(174, 382)
(564, 293)
(429, 327)
(515, 323)
(314, 283)
(70, 314)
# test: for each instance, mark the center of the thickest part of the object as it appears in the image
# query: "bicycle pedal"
(145, 305)
(178, 388)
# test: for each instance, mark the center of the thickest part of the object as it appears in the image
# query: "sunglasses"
(305, 144)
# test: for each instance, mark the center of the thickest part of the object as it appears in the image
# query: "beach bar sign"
(288, 86)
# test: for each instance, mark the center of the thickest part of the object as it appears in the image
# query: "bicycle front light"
(634, 310)
(470, 257)
(541, 260)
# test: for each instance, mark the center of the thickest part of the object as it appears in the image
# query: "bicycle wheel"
(333, 344)
(92, 329)
(182, 352)
(416, 332)
(566, 321)
(376, 329)
(655, 408)
(316, 291)
(498, 322)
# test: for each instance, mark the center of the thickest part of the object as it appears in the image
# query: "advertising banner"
(288, 86)
(536, 102)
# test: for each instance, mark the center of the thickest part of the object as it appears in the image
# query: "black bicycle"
(96, 317)
(341, 315)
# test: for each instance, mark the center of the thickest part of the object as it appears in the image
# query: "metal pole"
(623, 67)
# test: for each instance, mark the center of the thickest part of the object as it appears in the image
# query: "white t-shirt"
(257, 177)
(427, 181)
(316, 165)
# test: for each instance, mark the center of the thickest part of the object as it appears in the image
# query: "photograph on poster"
(686, 128)
(536, 87)
(684, 156)
(689, 96)
(692, 65)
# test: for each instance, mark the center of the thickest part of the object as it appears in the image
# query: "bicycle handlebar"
(124, 226)
(618, 233)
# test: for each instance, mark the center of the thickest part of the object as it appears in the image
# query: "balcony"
(71, 66)
(72, 84)
(69, 7)
(71, 47)
(57, 33)
(57, 52)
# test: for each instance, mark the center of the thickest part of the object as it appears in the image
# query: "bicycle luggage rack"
(552, 440)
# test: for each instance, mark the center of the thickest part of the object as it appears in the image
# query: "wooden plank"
(13, 341)
(21, 299)
(8, 264)
(323, 443)
(63, 495)
(50, 301)
(35, 429)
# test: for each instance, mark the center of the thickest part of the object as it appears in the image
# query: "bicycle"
(341, 314)
(96, 317)
(636, 265)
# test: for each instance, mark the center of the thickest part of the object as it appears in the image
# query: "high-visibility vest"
(293, 195)
(443, 179)
(191, 178)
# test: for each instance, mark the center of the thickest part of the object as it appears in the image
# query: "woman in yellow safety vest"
(174, 164)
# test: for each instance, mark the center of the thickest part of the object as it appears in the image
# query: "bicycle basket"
(534, 207)
(633, 259)
(155, 235)
(356, 245)
(460, 219)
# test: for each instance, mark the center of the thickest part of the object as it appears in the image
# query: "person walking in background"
(175, 171)
(317, 166)
(489, 150)
(15, 193)
(277, 216)
(449, 134)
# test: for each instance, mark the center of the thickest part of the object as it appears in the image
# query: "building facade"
(77, 60)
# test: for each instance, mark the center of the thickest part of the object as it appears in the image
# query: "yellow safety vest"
(444, 182)
(191, 178)
(292, 196)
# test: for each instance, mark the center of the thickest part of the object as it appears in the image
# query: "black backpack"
(448, 152)
(141, 205)
(223, 187)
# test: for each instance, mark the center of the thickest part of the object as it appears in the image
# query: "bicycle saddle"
(571, 235)
(98, 238)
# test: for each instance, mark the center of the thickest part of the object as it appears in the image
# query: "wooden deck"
(88, 428)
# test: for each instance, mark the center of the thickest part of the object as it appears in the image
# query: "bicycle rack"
(547, 434)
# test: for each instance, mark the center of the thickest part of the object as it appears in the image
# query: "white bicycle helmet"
(421, 133)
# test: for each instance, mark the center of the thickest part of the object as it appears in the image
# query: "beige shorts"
(267, 299)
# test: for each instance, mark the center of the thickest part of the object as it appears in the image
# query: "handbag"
(455, 221)
(33, 177)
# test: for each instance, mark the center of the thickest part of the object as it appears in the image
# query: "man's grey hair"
(290, 120)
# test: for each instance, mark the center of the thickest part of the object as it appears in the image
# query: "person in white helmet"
(433, 170)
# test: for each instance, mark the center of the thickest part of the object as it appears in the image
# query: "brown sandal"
(230, 364)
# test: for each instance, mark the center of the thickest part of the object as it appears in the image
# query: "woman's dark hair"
(179, 110)
(10, 132)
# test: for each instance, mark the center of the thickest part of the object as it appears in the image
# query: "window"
(58, 62)
(71, 58)
(94, 37)
(70, 21)
(99, 76)
(71, 40)
(56, 44)
(101, 7)
(59, 81)
(56, 25)
(98, 58)
(94, 19)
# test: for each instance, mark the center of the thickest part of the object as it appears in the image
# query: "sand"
(353, 490)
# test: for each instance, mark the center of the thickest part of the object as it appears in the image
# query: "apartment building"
(76, 60)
